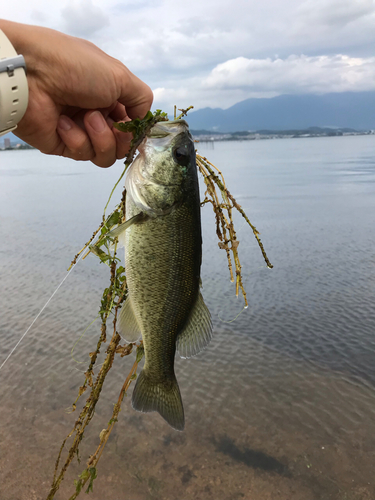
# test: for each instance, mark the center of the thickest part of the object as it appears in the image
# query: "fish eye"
(181, 156)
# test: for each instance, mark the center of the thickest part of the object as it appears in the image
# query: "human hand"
(76, 92)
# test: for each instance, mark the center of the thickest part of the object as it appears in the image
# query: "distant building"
(6, 142)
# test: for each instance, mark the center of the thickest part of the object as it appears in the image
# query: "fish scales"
(162, 265)
(162, 262)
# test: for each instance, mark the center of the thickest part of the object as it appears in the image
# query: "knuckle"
(78, 154)
(149, 95)
(82, 155)
(103, 163)
(105, 150)
(78, 147)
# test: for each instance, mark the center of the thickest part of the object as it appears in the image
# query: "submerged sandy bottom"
(250, 433)
(214, 458)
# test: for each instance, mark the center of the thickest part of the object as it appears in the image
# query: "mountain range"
(354, 110)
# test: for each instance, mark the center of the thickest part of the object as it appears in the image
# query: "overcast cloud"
(217, 53)
(83, 18)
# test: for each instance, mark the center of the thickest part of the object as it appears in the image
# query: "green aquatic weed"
(89, 473)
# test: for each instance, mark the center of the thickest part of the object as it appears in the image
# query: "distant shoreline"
(18, 147)
(206, 136)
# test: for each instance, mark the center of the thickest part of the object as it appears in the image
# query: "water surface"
(281, 404)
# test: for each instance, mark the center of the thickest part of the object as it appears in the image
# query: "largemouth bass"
(163, 250)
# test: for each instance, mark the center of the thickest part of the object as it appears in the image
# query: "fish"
(163, 254)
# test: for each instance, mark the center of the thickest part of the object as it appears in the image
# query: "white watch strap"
(14, 91)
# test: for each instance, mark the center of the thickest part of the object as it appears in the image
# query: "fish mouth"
(167, 128)
(163, 135)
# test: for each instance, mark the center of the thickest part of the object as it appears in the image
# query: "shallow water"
(281, 404)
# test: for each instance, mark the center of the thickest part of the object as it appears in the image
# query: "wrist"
(21, 36)
(12, 31)
(13, 85)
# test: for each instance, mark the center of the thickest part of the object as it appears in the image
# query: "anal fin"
(197, 332)
(128, 326)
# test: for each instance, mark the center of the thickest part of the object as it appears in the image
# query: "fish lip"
(169, 122)
(162, 129)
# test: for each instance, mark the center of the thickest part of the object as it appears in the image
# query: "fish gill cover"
(160, 200)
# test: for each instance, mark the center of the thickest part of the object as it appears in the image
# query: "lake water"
(282, 403)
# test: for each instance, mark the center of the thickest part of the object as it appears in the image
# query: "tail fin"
(165, 398)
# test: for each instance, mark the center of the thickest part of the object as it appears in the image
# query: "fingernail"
(97, 121)
(64, 123)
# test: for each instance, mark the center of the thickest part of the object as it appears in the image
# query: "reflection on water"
(281, 404)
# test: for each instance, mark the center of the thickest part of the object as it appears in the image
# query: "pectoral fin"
(137, 219)
(127, 324)
(197, 332)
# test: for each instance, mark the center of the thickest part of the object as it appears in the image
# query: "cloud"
(336, 13)
(295, 74)
(196, 51)
(170, 43)
(38, 16)
(83, 18)
(191, 93)
(127, 5)
(181, 96)
(241, 78)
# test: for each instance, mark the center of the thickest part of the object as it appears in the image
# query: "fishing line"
(76, 342)
(39, 313)
(244, 307)
(234, 319)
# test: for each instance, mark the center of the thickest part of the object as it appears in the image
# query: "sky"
(215, 53)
